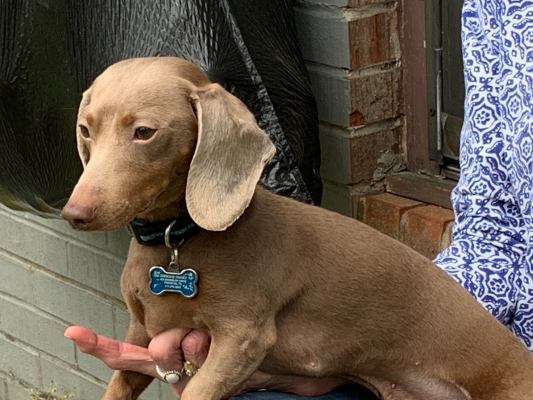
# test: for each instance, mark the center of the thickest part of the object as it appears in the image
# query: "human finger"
(114, 353)
(165, 350)
(194, 347)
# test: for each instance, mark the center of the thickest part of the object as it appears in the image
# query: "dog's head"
(154, 131)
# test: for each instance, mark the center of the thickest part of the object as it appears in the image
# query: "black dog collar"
(153, 233)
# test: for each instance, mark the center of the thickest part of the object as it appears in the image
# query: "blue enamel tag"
(183, 282)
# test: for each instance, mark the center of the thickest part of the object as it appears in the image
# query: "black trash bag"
(51, 50)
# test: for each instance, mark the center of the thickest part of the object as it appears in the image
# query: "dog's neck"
(172, 232)
(165, 213)
(153, 223)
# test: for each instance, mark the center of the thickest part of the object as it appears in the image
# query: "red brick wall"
(425, 228)
(353, 53)
(352, 49)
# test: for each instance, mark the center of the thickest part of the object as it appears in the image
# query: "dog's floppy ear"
(231, 152)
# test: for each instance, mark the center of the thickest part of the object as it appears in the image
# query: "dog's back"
(398, 317)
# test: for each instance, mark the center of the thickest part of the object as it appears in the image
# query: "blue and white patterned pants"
(492, 250)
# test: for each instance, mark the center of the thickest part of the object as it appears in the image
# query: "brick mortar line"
(358, 188)
(327, 69)
(32, 308)
(104, 253)
(376, 127)
(8, 377)
(21, 216)
(351, 13)
(403, 217)
(114, 320)
(369, 10)
(28, 264)
(315, 6)
(350, 74)
(74, 239)
(376, 69)
(48, 357)
(63, 236)
(331, 13)
(96, 251)
(403, 221)
(363, 200)
(24, 347)
(443, 238)
(363, 130)
(108, 244)
(442, 231)
(39, 311)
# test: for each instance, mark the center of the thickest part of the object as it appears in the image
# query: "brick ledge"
(424, 227)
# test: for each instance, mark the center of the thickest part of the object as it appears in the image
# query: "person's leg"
(348, 392)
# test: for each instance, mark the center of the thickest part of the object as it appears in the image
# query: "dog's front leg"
(128, 385)
(235, 354)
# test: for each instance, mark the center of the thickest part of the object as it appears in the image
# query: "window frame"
(427, 178)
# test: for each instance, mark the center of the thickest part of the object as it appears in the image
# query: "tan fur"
(287, 288)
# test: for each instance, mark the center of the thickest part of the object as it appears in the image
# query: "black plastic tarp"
(51, 50)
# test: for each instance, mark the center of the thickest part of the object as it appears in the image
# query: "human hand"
(171, 348)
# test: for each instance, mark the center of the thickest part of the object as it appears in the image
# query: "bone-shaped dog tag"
(183, 282)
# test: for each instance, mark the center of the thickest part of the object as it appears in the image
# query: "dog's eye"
(144, 133)
(84, 131)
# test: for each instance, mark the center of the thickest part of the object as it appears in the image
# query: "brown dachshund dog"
(283, 287)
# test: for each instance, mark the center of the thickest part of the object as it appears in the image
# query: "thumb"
(195, 346)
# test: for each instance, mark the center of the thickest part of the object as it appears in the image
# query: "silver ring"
(167, 234)
(171, 376)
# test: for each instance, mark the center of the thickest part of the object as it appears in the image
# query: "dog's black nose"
(78, 215)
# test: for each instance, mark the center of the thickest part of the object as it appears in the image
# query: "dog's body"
(287, 288)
